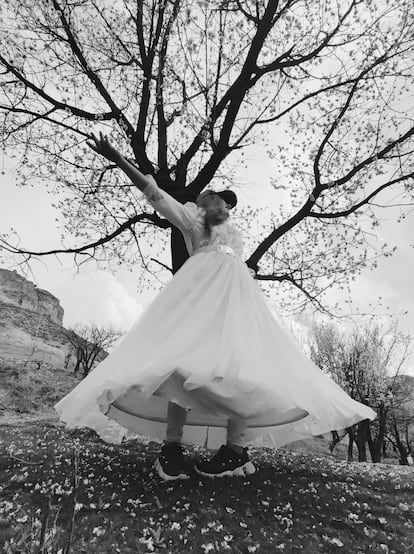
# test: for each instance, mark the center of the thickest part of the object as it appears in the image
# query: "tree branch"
(56, 103)
(344, 213)
(138, 142)
(290, 279)
(276, 64)
(162, 124)
(44, 117)
(379, 155)
(144, 217)
(92, 75)
(233, 97)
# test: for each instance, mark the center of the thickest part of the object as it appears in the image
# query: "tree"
(90, 343)
(185, 88)
(400, 429)
(367, 364)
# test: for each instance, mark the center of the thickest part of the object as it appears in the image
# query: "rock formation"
(31, 327)
(17, 291)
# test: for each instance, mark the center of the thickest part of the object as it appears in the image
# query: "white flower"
(149, 543)
(335, 541)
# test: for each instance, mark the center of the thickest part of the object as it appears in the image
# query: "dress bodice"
(190, 219)
(224, 234)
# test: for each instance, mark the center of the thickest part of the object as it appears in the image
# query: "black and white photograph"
(207, 276)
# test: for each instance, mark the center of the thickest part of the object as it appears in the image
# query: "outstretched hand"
(103, 147)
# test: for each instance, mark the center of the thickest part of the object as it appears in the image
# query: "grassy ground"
(66, 492)
(28, 389)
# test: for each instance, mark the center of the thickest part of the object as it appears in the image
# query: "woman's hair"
(215, 210)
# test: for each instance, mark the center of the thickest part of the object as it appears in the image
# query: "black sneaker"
(227, 462)
(170, 464)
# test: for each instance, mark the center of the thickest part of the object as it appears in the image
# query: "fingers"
(94, 142)
(102, 138)
(99, 145)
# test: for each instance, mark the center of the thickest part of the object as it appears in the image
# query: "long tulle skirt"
(209, 343)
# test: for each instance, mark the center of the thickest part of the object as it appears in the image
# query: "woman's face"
(214, 205)
(210, 200)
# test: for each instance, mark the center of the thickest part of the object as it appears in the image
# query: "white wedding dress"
(209, 343)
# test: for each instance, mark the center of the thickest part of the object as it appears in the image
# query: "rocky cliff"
(17, 291)
(31, 329)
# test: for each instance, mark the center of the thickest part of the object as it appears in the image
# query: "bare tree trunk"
(351, 440)
(336, 438)
(77, 366)
(400, 446)
(376, 445)
(361, 441)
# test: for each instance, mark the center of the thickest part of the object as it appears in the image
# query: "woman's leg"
(176, 418)
(170, 464)
(236, 434)
(232, 459)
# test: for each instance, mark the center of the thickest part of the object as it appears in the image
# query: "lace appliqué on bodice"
(224, 234)
(190, 219)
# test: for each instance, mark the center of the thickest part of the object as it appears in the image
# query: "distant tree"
(90, 344)
(185, 88)
(400, 426)
(367, 364)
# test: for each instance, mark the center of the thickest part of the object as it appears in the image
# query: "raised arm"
(103, 147)
(181, 216)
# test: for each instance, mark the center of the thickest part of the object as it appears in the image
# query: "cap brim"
(229, 197)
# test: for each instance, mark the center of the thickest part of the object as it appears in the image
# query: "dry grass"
(295, 502)
(31, 391)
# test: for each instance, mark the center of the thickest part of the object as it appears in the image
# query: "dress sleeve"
(182, 216)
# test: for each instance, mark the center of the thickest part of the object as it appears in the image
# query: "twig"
(161, 264)
(20, 460)
(43, 530)
(75, 489)
(24, 461)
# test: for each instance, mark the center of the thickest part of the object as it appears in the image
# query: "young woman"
(206, 363)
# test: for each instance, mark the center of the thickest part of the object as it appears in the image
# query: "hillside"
(29, 392)
(31, 328)
(70, 492)
(32, 332)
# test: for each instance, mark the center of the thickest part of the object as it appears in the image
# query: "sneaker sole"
(242, 471)
(165, 477)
